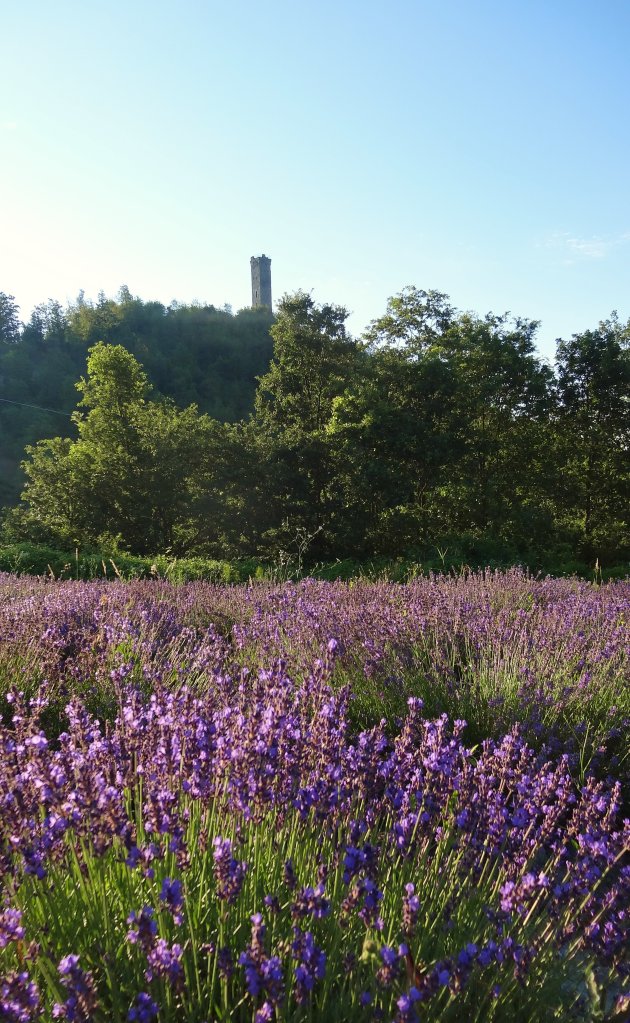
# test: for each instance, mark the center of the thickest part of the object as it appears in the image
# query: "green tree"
(79, 489)
(314, 359)
(178, 484)
(390, 433)
(500, 411)
(593, 437)
(9, 319)
(139, 470)
(47, 324)
(115, 389)
(438, 436)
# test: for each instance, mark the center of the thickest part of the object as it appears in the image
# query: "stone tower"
(261, 280)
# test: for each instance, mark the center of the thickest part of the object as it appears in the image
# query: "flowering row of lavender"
(495, 649)
(263, 804)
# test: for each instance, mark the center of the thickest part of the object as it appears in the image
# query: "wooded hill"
(438, 429)
(192, 354)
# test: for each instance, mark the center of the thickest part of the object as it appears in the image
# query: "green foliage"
(112, 563)
(9, 319)
(443, 430)
(140, 470)
(440, 430)
(192, 354)
(314, 361)
(592, 437)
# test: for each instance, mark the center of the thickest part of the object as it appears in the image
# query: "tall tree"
(47, 324)
(593, 436)
(314, 358)
(9, 319)
(500, 409)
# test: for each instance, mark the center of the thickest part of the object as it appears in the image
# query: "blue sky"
(479, 148)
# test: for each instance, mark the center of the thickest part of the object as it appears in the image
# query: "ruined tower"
(261, 280)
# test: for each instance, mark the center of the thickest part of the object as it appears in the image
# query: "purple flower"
(288, 873)
(225, 962)
(144, 1009)
(134, 857)
(10, 926)
(263, 974)
(165, 961)
(406, 1006)
(19, 998)
(411, 907)
(389, 969)
(229, 872)
(311, 902)
(81, 1004)
(272, 902)
(467, 956)
(357, 860)
(171, 894)
(144, 928)
(68, 966)
(372, 897)
(311, 963)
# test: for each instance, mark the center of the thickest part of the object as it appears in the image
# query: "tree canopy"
(438, 427)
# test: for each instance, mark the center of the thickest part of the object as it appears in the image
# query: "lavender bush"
(493, 648)
(267, 822)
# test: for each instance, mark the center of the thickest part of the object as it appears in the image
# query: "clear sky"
(479, 147)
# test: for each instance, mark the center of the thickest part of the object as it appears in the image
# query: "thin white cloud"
(575, 248)
(590, 248)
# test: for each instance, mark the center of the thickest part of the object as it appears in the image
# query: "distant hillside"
(192, 354)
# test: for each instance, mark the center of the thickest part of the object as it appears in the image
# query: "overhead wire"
(40, 408)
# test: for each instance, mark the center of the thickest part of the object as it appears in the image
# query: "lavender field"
(358, 801)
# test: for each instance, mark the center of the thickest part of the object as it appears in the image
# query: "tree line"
(437, 429)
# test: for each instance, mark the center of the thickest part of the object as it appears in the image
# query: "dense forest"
(202, 432)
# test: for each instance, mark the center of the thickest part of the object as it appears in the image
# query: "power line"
(40, 408)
